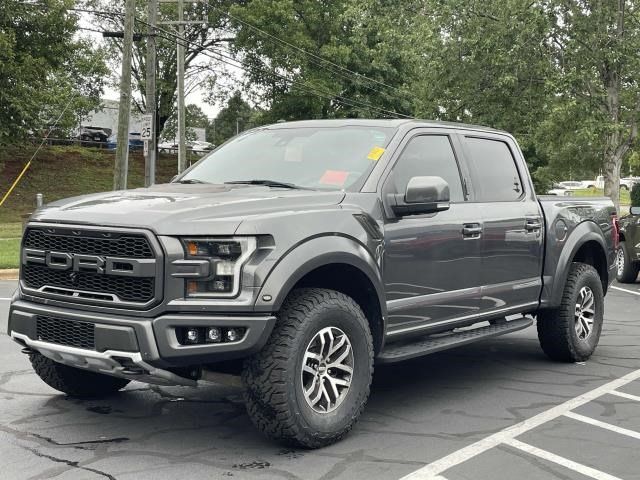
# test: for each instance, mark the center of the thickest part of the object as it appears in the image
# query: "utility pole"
(150, 159)
(122, 148)
(182, 127)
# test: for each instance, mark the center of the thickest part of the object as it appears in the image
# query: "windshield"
(328, 158)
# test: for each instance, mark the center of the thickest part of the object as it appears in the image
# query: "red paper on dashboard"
(334, 177)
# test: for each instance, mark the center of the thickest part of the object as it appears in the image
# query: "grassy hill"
(59, 172)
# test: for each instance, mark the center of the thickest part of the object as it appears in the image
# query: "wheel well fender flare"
(584, 233)
(315, 253)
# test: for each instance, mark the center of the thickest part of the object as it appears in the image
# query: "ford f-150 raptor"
(299, 255)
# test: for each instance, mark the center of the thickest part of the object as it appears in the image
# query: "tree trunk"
(612, 166)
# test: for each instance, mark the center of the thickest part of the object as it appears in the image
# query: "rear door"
(431, 266)
(512, 238)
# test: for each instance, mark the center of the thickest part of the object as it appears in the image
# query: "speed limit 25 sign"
(147, 127)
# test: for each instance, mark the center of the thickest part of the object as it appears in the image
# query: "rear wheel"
(74, 381)
(570, 333)
(626, 269)
(309, 384)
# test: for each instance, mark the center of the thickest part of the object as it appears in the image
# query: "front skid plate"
(104, 362)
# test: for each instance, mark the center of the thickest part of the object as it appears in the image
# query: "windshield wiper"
(191, 180)
(268, 183)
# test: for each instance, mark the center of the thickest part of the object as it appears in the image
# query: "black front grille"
(128, 289)
(86, 284)
(65, 332)
(89, 243)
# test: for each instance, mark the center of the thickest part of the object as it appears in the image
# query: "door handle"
(532, 224)
(471, 230)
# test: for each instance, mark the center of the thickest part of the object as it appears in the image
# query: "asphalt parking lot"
(495, 410)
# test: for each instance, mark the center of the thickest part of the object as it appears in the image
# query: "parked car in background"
(560, 191)
(198, 147)
(168, 147)
(94, 135)
(572, 185)
(625, 183)
(135, 142)
(628, 255)
(201, 148)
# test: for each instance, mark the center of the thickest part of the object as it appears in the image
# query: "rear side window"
(495, 176)
(428, 155)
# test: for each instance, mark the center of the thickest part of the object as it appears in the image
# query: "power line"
(301, 85)
(314, 90)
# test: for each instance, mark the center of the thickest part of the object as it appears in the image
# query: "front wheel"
(626, 269)
(309, 384)
(570, 333)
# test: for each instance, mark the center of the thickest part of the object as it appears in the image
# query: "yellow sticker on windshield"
(375, 153)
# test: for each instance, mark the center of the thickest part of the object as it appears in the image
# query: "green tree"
(236, 116)
(47, 74)
(487, 62)
(312, 59)
(194, 118)
(596, 45)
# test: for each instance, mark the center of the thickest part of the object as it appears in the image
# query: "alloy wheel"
(327, 369)
(620, 262)
(585, 313)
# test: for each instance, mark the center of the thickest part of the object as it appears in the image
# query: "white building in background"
(107, 118)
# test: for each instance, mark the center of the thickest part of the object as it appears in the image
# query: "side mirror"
(634, 210)
(423, 195)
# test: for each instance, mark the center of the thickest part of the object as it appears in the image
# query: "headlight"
(227, 256)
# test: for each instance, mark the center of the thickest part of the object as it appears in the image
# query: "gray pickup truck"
(300, 254)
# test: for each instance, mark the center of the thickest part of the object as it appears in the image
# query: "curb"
(9, 274)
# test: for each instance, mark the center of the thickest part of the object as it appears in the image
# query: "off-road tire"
(629, 273)
(272, 378)
(556, 327)
(73, 381)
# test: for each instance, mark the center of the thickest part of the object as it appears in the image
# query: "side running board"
(397, 352)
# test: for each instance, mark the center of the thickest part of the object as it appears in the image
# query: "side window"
(428, 155)
(494, 171)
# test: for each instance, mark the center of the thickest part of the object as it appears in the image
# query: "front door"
(431, 263)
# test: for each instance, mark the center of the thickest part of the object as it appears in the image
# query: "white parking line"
(625, 290)
(565, 462)
(5, 298)
(628, 396)
(440, 466)
(607, 426)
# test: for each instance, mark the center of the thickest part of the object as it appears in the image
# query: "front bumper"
(149, 344)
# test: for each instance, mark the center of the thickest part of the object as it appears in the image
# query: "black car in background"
(628, 257)
(94, 136)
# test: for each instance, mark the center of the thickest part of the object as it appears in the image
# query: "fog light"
(233, 335)
(214, 335)
(192, 335)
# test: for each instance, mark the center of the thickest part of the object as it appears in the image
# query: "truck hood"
(177, 209)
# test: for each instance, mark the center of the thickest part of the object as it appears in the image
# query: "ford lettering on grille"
(90, 263)
(91, 266)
